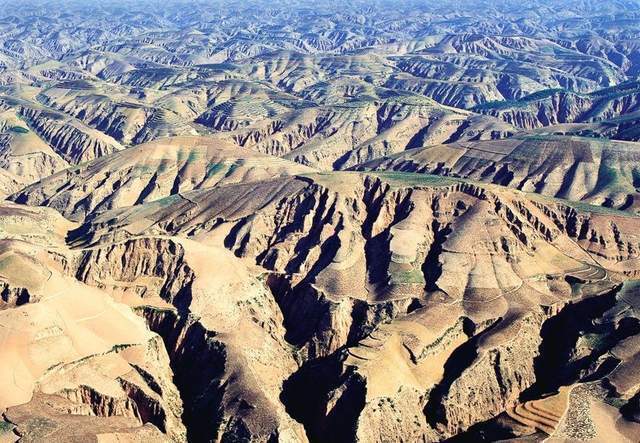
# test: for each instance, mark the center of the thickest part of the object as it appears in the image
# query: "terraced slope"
(595, 171)
(127, 116)
(544, 414)
(151, 171)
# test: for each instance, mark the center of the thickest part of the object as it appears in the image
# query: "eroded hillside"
(374, 222)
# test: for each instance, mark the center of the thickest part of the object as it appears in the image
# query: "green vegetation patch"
(408, 277)
(167, 201)
(608, 177)
(414, 179)
(163, 166)
(595, 209)
(625, 88)
(214, 168)
(594, 143)
(19, 130)
(144, 170)
(194, 156)
(140, 309)
(616, 402)
(541, 95)
(121, 347)
(522, 102)
(231, 169)
(596, 341)
(447, 335)
(7, 261)
(5, 427)
(181, 155)
(579, 205)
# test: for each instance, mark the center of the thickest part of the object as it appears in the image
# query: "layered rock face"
(89, 355)
(226, 325)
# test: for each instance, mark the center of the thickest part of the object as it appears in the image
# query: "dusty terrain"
(373, 222)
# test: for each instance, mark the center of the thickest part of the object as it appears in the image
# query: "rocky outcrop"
(366, 263)
(203, 322)
(146, 267)
(489, 385)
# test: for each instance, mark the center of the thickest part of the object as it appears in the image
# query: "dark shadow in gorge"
(458, 361)
(305, 395)
(198, 362)
(432, 268)
(554, 366)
